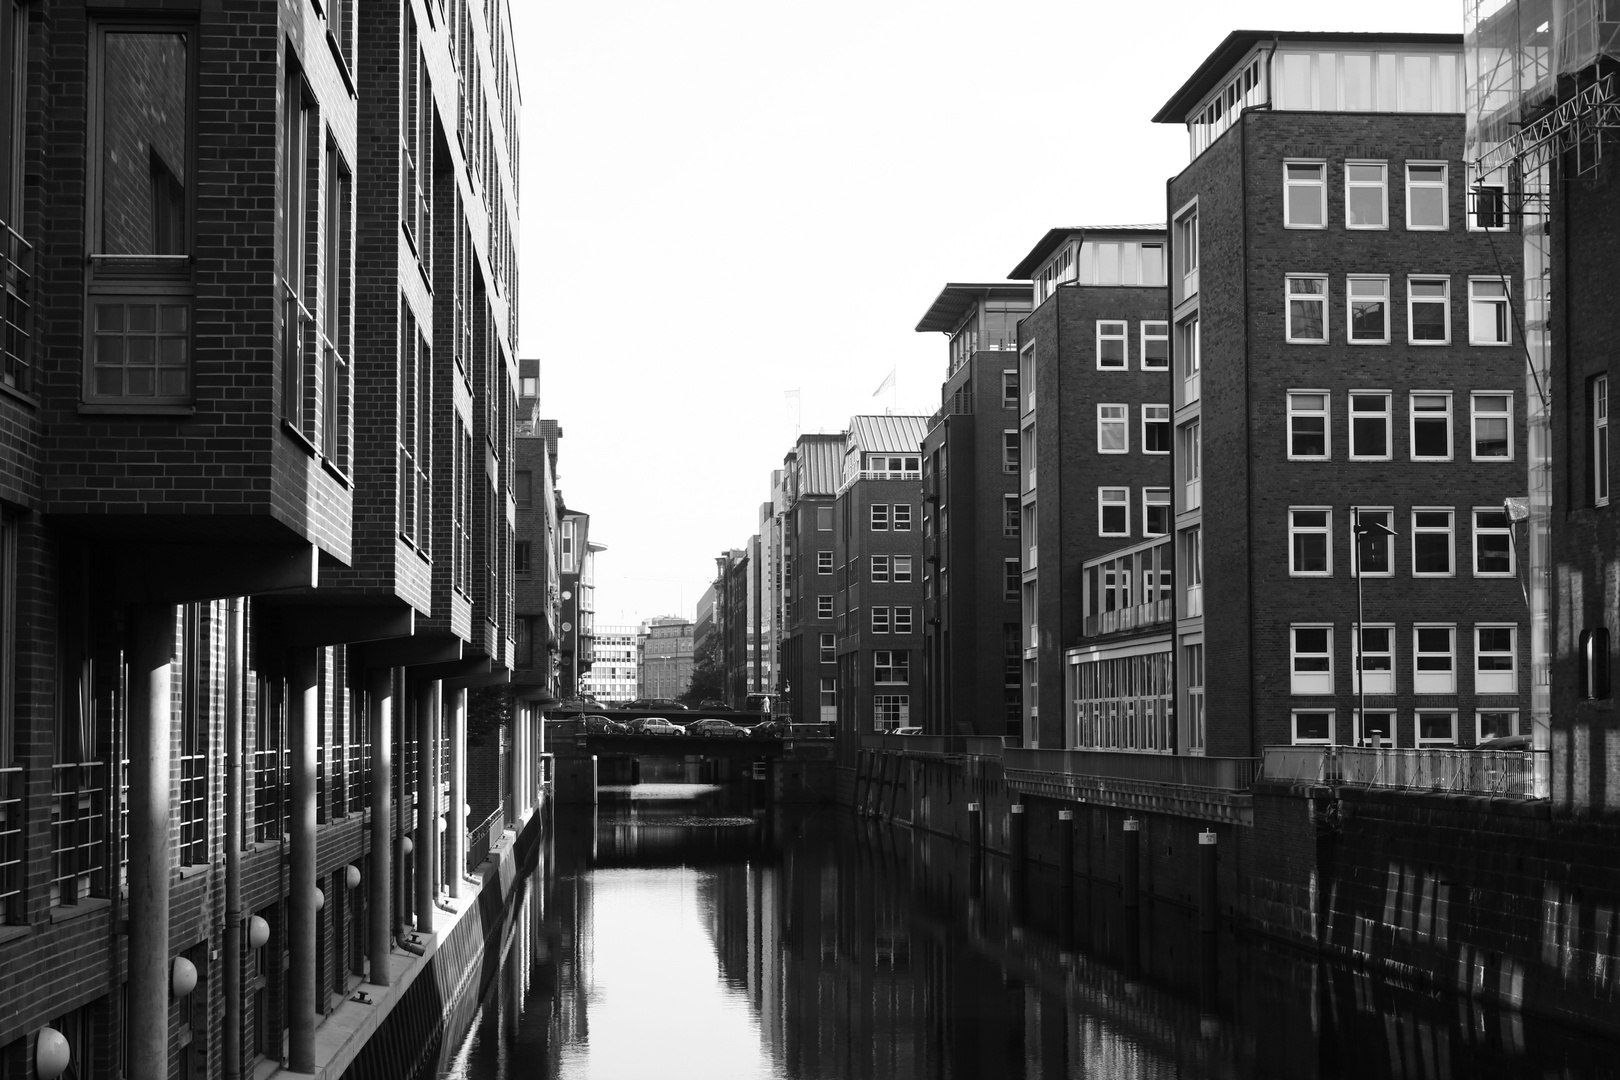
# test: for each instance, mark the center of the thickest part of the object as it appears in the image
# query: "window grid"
(902, 569)
(824, 607)
(880, 517)
(1366, 195)
(901, 513)
(1367, 309)
(824, 562)
(880, 619)
(1113, 337)
(1492, 426)
(1113, 511)
(1369, 425)
(1428, 310)
(1113, 429)
(1306, 322)
(880, 568)
(1305, 194)
(902, 619)
(1310, 542)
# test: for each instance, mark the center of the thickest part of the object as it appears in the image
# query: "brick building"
(244, 563)
(664, 657)
(576, 637)
(1344, 344)
(537, 550)
(812, 472)
(1091, 450)
(971, 657)
(875, 559)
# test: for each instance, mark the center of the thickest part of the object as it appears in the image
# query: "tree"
(708, 673)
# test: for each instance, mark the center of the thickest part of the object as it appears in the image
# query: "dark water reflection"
(668, 937)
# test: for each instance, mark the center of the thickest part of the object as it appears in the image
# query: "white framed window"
(902, 619)
(1599, 406)
(1155, 511)
(1155, 345)
(1434, 659)
(1493, 543)
(1495, 724)
(1305, 194)
(891, 666)
(1367, 305)
(1487, 207)
(824, 562)
(1009, 515)
(1372, 651)
(880, 568)
(880, 517)
(824, 607)
(1190, 441)
(1436, 727)
(1370, 546)
(824, 516)
(1312, 727)
(890, 711)
(1369, 425)
(1155, 429)
(1113, 511)
(1113, 429)
(1185, 241)
(1307, 310)
(1489, 318)
(1366, 195)
(1428, 202)
(1428, 310)
(1009, 389)
(1188, 345)
(901, 514)
(1430, 426)
(828, 689)
(1492, 426)
(828, 646)
(1026, 377)
(1496, 658)
(1432, 545)
(1028, 459)
(902, 570)
(1009, 451)
(1113, 337)
(1310, 542)
(1378, 724)
(880, 619)
(1308, 425)
(1012, 575)
(1310, 653)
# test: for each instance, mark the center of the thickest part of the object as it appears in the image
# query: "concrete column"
(1017, 839)
(151, 720)
(380, 905)
(427, 802)
(1206, 882)
(1065, 845)
(456, 834)
(1132, 898)
(514, 771)
(303, 716)
(232, 961)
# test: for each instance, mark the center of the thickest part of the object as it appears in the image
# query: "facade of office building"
(612, 677)
(812, 472)
(664, 657)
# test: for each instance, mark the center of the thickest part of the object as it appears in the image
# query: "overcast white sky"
(724, 200)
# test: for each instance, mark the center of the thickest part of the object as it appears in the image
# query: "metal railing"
(16, 308)
(1499, 773)
(268, 796)
(359, 776)
(1129, 618)
(478, 838)
(1181, 770)
(193, 809)
(78, 830)
(11, 843)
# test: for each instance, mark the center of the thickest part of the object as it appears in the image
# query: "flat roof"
(1049, 243)
(956, 298)
(1219, 64)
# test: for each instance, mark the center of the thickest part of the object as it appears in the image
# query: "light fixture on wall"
(351, 874)
(405, 845)
(182, 976)
(319, 897)
(51, 1055)
(258, 932)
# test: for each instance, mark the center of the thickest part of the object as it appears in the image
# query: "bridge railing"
(1499, 773)
(1181, 770)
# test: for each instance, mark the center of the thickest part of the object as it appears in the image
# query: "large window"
(1369, 425)
(1009, 451)
(1496, 662)
(880, 567)
(1310, 542)
(1493, 543)
(1113, 511)
(1428, 311)
(1307, 309)
(1308, 425)
(1431, 427)
(1432, 543)
(1310, 659)
(1599, 405)
(1370, 542)
(902, 569)
(1489, 320)
(1427, 201)
(139, 351)
(1374, 656)
(824, 562)
(1305, 194)
(1492, 427)
(1113, 338)
(827, 647)
(1155, 429)
(1366, 195)
(1113, 429)
(1155, 346)
(1434, 659)
(1367, 301)
(890, 711)
(891, 666)
(1155, 511)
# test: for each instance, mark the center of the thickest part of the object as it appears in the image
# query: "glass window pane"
(144, 151)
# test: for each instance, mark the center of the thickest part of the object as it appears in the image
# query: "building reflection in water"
(666, 939)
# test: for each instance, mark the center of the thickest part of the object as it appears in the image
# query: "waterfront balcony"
(1206, 788)
(1501, 774)
(1128, 589)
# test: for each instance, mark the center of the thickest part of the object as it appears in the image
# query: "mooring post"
(1206, 882)
(1065, 846)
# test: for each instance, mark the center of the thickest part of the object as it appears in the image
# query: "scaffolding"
(1538, 96)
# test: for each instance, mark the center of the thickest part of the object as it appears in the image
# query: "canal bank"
(1494, 900)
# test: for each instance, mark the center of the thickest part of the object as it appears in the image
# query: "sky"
(723, 201)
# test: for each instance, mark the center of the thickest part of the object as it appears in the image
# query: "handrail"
(478, 838)
(1181, 770)
(78, 833)
(12, 827)
(16, 290)
(1453, 771)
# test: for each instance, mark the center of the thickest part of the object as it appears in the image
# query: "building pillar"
(427, 802)
(1065, 846)
(303, 716)
(380, 904)
(456, 833)
(514, 771)
(151, 718)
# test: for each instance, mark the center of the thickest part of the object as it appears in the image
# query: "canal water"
(673, 932)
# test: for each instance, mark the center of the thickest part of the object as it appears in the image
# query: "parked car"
(658, 725)
(767, 729)
(711, 705)
(602, 725)
(1505, 742)
(716, 726)
(906, 731)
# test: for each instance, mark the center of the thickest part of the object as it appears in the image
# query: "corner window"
(1493, 543)
(1492, 427)
(1156, 512)
(1310, 544)
(1496, 661)
(1307, 309)
(1369, 425)
(1112, 338)
(1305, 194)
(1432, 543)
(1113, 511)
(1307, 426)
(1489, 319)
(1155, 429)
(1430, 430)
(1366, 195)
(139, 277)
(1434, 659)
(1428, 311)
(1113, 429)
(1310, 659)
(1367, 301)
(1427, 201)
(1155, 346)
(1312, 727)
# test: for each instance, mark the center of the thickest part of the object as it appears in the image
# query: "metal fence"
(1501, 773)
(11, 843)
(1184, 770)
(479, 838)
(78, 830)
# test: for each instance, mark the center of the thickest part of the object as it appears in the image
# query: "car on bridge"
(602, 725)
(655, 725)
(716, 726)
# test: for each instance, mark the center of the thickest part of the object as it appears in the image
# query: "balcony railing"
(1131, 618)
(1215, 773)
(268, 801)
(478, 839)
(16, 308)
(11, 844)
(78, 830)
(1509, 774)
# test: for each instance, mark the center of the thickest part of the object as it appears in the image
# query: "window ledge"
(342, 62)
(69, 912)
(12, 933)
(194, 870)
(26, 398)
(298, 437)
(136, 410)
(336, 473)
